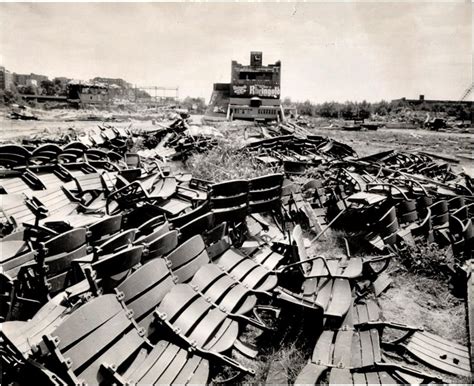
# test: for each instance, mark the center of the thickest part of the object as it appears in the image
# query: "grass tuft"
(428, 260)
(226, 161)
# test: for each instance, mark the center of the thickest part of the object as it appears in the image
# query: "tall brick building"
(253, 93)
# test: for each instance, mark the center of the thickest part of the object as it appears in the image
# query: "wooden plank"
(373, 310)
(93, 343)
(194, 372)
(117, 354)
(440, 359)
(310, 374)
(323, 296)
(372, 378)
(143, 279)
(322, 352)
(386, 378)
(440, 342)
(362, 313)
(174, 367)
(374, 335)
(366, 348)
(186, 252)
(162, 366)
(86, 319)
(359, 378)
(135, 374)
(176, 301)
(341, 298)
(224, 337)
(342, 349)
(340, 376)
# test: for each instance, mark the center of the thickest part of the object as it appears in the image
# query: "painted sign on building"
(256, 90)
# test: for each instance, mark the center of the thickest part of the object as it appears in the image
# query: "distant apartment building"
(38, 78)
(62, 80)
(87, 93)
(6, 79)
(110, 81)
(28, 79)
(20, 79)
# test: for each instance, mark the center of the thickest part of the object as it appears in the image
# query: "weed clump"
(429, 260)
(226, 161)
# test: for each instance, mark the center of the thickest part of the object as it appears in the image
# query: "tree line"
(364, 109)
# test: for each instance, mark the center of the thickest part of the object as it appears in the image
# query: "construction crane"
(467, 92)
(160, 92)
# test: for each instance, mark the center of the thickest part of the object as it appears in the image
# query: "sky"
(329, 51)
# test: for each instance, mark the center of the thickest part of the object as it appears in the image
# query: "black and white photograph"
(237, 192)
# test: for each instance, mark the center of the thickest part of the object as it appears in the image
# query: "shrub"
(429, 260)
(226, 162)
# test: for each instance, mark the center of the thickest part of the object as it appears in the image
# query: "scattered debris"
(116, 260)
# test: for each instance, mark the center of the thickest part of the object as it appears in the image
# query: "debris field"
(121, 265)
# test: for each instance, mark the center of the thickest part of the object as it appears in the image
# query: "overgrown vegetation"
(364, 109)
(428, 260)
(226, 161)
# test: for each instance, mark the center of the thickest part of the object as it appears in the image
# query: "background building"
(254, 91)
(6, 79)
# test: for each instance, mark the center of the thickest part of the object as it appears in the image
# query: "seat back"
(439, 213)
(76, 146)
(115, 267)
(13, 156)
(194, 318)
(96, 155)
(186, 260)
(12, 266)
(406, 211)
(65, 242)
(160, 246)
(265, 193)
(425, 227)
(197, 226)
(58, 269)
(388, 223)
(132, 160)
(229, 201)
(235, 190)
(461, 213)
(144, 289)
(91, 182)
(103, 228)
(191, 215)
(46, 154)
(456, 203)
(116, 243)
(140, 216)
(100, 332)
(155, 232)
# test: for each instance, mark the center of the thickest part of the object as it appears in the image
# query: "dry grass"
(369, 142)
(426, 259)
(279, 364)
(226, 161)
(425, 302)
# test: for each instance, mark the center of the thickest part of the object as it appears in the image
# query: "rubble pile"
(117, 270)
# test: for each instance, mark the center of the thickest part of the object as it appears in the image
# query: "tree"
(48, 87)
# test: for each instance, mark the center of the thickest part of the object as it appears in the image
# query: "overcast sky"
(338, 51)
